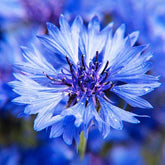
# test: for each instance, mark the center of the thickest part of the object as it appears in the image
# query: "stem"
(82, 145)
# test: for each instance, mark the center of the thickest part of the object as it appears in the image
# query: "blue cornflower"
(97, 65)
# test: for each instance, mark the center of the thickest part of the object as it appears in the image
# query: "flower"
(97, 65)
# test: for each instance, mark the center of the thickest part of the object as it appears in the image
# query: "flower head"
(96, 64)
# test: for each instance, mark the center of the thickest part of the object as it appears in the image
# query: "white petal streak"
(92, 39)
(45, 120)
(36, 63)
(136, 89)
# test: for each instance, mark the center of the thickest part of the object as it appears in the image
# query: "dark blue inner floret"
(84, 81)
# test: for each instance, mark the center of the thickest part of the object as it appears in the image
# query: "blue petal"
(114, 44)
(44, 120)
(136, 78)
(125, 115)
(136, 89)
(133, 37)
(94, 24)
(109, 116)
(56, 129)
(70, 131)
(133, 100)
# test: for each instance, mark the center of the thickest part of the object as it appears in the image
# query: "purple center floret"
(84, 81)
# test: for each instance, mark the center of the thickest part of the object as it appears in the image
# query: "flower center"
(84, 81)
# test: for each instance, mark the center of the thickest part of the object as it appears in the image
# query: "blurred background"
(142, 144)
